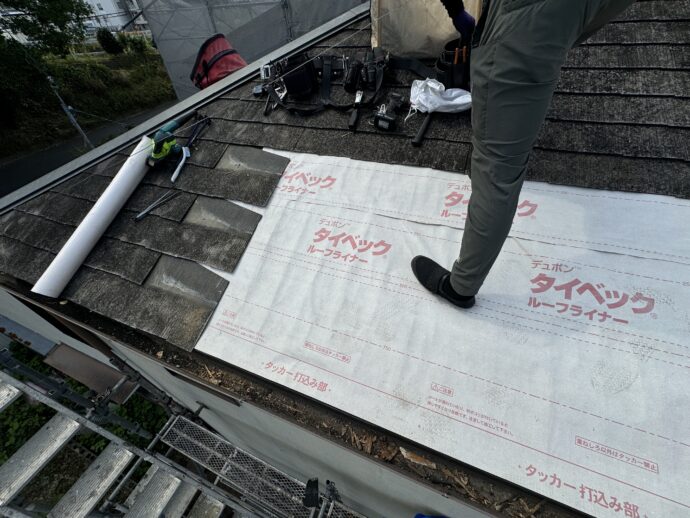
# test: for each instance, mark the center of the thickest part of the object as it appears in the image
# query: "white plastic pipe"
(92, 228)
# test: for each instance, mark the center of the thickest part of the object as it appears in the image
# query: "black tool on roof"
(354, 115)
(160, 201)
(453, 72)
(421, 132)
(386, 117)
(292, 81)
(201, 124)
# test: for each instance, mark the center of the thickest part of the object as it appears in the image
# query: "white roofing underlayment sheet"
(571, 375)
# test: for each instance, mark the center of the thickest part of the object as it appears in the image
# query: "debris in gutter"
(211, 376)
(461, 481)
(417, 459)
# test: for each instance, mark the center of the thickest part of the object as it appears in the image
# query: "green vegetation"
(52, 27)
(108, 42)
(133, 43)
(23, 419)
(18, 422)
(129, 78)
(102, 85)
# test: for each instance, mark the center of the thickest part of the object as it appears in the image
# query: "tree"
(50, 25)
(108, 42)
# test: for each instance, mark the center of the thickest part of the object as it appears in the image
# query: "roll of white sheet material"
(94, 224)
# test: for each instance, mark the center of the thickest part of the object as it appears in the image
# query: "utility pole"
(287, 14)
(67, 111)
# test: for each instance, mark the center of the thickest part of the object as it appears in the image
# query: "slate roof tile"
(653, 176)
(254, 188)
(641, 32)
(619, 139)
(207, 153)
(22, 261)
(657, 10)
(117, 257)
(629, 56)
(158, 312)
(643, 110)
(208, 246)
(625, 82)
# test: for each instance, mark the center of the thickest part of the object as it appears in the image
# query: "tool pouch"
(454, 75)
(299, 75)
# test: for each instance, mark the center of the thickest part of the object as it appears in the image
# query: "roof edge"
(193, 102)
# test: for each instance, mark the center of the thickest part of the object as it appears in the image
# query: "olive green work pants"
(519, 48)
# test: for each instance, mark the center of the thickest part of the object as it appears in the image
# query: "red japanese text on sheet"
(332, 222)
(442, 389)
(346, 247)
(296, 376)
(229, 314)
(326, 351)
(305, 183)
(457, 198)
(586, 493)
(237, 330)
(617, 454)
(595, 302)
(468, 415)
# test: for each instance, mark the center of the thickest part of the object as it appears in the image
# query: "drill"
(165, 142)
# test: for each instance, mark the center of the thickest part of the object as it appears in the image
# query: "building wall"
(113, 14)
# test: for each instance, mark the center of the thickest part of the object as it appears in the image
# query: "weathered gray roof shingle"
(147, 275)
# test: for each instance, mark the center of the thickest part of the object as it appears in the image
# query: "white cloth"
(431, 96)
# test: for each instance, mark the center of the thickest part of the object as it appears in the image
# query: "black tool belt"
(302, 76)
(453, 65)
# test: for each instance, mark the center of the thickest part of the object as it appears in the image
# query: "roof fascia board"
(193, 102)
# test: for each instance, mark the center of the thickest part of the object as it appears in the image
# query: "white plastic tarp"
(414, 28)
(569, 377)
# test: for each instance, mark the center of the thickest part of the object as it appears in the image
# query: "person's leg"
(515, 69)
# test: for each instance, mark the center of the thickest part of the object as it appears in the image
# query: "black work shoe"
(436, 279)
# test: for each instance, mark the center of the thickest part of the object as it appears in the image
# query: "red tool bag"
(215, 60)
